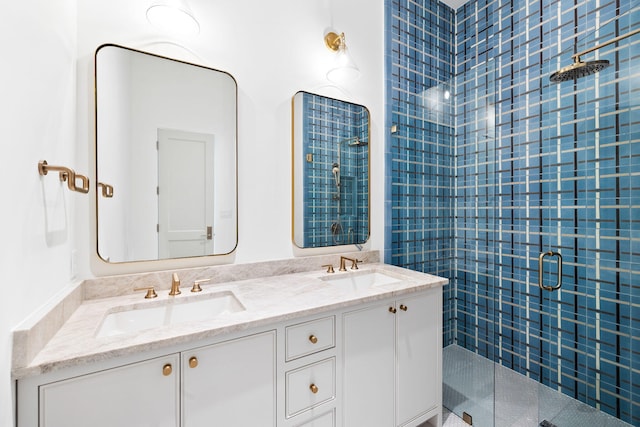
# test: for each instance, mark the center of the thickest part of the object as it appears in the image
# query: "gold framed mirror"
(166, 157)
(331, 165)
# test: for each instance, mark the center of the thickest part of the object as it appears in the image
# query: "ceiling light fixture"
(173, 16)
(344, 69)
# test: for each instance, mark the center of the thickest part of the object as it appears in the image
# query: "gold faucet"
(175, 285)
(354, 263)
(329, 268)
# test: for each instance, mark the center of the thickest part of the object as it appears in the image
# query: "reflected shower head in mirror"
(579, 69)
(356, 142)
(336, 173)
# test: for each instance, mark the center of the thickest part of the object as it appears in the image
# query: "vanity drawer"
(327, 419)
(310, 386)
(310, 337)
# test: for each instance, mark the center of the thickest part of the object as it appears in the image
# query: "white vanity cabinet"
(232, 383)
(392, 362)
(139, 394)
(374, 360)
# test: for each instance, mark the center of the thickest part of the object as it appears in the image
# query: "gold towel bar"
(107, 190)
(66, 174)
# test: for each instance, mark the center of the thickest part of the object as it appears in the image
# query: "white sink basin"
(169, 313)
(361, 281)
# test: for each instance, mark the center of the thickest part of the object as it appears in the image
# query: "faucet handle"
(196, 285)
(354, 266)
(151, 292)
(175, 285)
(329, 268)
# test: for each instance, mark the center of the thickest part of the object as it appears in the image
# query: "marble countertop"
(266, 300)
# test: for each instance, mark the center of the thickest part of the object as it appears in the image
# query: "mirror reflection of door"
(185, 193)
(138, 93)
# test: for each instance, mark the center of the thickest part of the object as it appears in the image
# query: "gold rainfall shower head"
(580, 69)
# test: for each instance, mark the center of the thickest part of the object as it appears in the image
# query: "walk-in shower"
(546, 307)
(514, 166)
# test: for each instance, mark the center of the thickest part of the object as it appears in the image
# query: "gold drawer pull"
(313, 339)
(392, 310)
(167, 369)
(403, 307)
(313, 388)
(193, 362)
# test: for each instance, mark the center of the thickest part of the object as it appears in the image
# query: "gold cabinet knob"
(193, 362)
(403, 307)
(313, 339)
(313, 388)
(392, 310)
(167, 369)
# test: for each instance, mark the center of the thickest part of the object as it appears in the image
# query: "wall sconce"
(174, 16)
(344, 68)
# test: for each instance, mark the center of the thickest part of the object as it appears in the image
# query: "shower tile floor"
(468, 385)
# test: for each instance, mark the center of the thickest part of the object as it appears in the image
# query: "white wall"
(272, 48)
(38, 110)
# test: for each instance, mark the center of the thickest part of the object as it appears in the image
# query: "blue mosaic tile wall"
(420, 63)
(335, 133)
(532, 166)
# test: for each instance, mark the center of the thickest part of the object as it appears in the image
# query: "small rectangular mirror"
(166, 148)
(330, 172)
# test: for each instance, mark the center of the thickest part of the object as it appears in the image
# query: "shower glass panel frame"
(469, 371)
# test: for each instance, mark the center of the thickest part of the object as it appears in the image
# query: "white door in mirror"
(185, 193)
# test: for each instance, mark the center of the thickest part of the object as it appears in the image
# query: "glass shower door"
(588, 201)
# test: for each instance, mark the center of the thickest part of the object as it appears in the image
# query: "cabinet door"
(418, 349)
(142, 394)
(368, 373)
(231, 383)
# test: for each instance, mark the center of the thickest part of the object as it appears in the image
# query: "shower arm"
(576, 57)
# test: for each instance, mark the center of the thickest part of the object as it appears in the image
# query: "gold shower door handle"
(541, 271)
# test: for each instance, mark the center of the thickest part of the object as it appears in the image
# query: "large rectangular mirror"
(330, 172)
(166, 157)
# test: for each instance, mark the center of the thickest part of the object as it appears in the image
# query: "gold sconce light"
(344, 69)
(66, 174)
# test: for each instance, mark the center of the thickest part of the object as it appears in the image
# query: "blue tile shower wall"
(533, 166)
(420, 63)
(335, 132)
